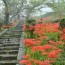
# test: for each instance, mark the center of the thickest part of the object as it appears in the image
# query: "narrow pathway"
(9, 47)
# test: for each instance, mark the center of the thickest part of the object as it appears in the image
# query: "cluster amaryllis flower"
(63, 34)
(41, 29)
(42, 49)
(31, 42)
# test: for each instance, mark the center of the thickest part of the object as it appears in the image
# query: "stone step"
(1, 45)
(1, 48)
(9, 48)
(9, 52)
(8, 58)
(8, 55)
(11, 44)
(5, 62)
(8, 44)
(7, 35)
(8, 64)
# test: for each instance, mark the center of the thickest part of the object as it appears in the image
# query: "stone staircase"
(9, 46)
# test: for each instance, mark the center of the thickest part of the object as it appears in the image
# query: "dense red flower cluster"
(25, 62)
(29, 42)
(54, 53)
(46, 62)
(41, 29)
(43, 48)
(38, 52)
(55, 43)
(26, 56)
(63, 34)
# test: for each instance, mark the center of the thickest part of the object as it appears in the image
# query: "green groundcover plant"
(44, 44)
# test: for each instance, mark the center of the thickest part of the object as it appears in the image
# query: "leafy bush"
(46, 45)
(62, 23)
(31, 21)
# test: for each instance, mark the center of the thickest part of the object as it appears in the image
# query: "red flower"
(42, 48)
(46, 62)
(52, 42)
(25, 62)
(54, 54)
(26, 56)
(64, 30)
(46, 47)
(29, 42)
(37, 48)
(31, 27)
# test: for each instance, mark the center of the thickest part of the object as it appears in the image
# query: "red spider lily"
(37, 61)
(39, 29)
(29, 42)
(47, 46)
(54, 54)
(32, 60)
(60, 42)
(56, 43)
(63, 37)
(42, 48)
(26, 56)
(46, 62)
(38, 42)
(56, 26)
(64, 30)
(25, 62)
(63, 34)
(48, 50)
(31, 27)
(52, 27)
(38, 48)
(52, 42)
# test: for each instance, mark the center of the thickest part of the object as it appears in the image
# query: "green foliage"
(62, 23)
(31, 21)
(53, 36)
(58, 6)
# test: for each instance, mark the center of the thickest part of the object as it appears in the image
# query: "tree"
(33, 6)
(13, 8)
(58, 6)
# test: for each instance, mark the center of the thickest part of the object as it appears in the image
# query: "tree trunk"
(6, 18)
